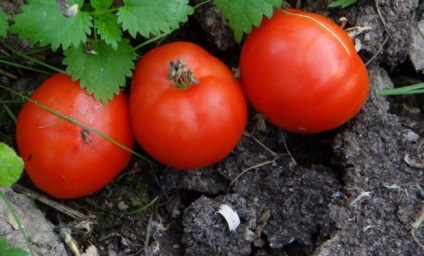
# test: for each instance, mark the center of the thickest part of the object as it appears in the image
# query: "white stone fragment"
(230, 216)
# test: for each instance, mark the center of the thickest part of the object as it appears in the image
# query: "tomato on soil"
(62, 158)
(302, 71)
(188, 114)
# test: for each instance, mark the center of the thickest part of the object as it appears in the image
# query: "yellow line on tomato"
(322, 25)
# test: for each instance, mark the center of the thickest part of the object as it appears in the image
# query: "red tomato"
(302, 71)
(186, 128)
(64, 159)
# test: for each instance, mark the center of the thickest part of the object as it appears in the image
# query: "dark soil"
(355, 190)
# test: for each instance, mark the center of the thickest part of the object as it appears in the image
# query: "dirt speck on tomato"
(85, 135)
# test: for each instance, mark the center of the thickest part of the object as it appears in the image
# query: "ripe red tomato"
(186, 128)
(62, 158)
(302, 71)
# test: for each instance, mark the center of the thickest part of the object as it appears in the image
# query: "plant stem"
(79, 124)
(9, 111)
(132, 212)
(15, 217)
(23, 55)
(16, 65)
(151, 40)
(200, 4)
(411, 89)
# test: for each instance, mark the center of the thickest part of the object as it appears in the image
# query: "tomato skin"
(192, 128)
(302, 71)
(63, 159)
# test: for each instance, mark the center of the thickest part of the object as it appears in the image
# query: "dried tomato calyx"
(180, 77)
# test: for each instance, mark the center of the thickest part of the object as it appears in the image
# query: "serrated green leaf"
(243, 14)
(148, 17)
(42, 22)
(100, 5)
(104, 70)
(342, 3)
(5, 250)
(4, 25)
(108, 28)
(11, 166)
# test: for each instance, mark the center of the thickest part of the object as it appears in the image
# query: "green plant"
(11, 167)
(5, 250)
(410, 89)
(4, 25)
(91, 33)
(244, 14)
(342, 3)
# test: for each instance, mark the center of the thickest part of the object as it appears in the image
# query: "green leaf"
(101, 5)
(108, 28)
(5, 250)
(11, 166)
(101, 69)
(243, 14)
(148, 17)
(42, 21)
(4, 25)
(106, 23)
(342, 3)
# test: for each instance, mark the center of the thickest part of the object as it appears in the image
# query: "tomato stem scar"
(180, 77)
